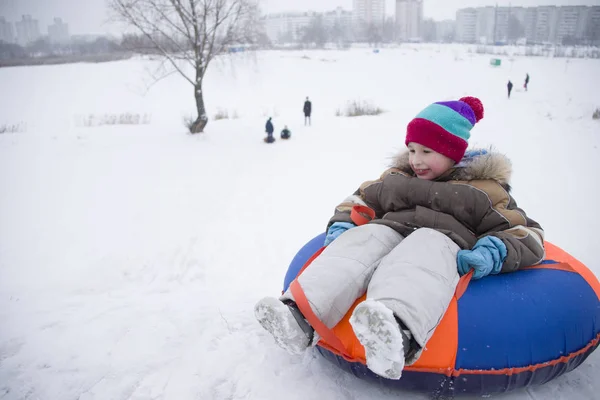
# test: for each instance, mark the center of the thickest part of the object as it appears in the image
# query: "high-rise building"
(546, 24)
(368, 12)
(58, 31)
(499, 24)
(409, 20)
(287, 27)
(592, 26)
(530, 21)
(339, 16)
(7, 33)
(485, 24)
(28, 30)
(445, 30)
(571, 23)
(466, 23)
(339, 24)
(291, 26)
(517, 24)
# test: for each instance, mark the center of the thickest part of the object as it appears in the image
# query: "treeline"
(42, 51)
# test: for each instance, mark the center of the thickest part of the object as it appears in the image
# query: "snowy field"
(131, 255)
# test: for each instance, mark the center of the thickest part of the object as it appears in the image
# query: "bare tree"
(190, 33)
(315, 32)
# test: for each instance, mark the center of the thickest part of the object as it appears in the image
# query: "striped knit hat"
(445, 126)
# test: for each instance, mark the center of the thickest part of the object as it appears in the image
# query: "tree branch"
(169, 21)
(127, 12)
(185, 18)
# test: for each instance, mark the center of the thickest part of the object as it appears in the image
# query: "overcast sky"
(90, 16)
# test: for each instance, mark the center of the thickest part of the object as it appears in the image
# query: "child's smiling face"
(426, 163)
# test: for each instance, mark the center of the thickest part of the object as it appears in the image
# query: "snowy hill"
(131, 255)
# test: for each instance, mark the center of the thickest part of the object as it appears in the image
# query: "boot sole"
(377, 330)
(277, 319)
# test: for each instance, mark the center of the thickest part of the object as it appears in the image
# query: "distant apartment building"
(517, 21)
(592, 30)
(339, 24)
(290, 27)
(28, 30)
(438, 31)
(409, 20)
(571, 23)
(466, 23)
(498, 24)
(503, 16)
(485, 23)
(287, 27)
(445, 30)
(58, 32)
(339, 16)
(368, 12)
(7, 33)
(530, 21)
(543, 24)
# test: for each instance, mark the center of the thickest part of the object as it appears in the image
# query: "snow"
(131, 256)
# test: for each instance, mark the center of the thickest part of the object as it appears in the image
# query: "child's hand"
(485, 258)
(335, 230)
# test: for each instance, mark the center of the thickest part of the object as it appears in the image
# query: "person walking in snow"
(307, 111)
(526, 81)
(440, 212)
(286, 133)
(269, 129)
(509, 86)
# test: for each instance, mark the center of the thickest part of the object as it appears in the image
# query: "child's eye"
(426, 151)
(411, 151)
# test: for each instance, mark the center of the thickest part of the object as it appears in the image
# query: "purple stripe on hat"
(461, 108)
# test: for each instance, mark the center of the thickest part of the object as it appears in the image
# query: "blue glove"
(335, 230)
(485, 258)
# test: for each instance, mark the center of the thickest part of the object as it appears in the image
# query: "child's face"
(426, 163)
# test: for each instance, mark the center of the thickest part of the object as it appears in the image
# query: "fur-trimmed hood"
(477, 164)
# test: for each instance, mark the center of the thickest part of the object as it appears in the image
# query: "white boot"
(380, 334)
(279, 321)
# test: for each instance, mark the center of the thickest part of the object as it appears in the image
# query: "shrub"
(358, 108)
(115, 119)
(221, 114)
(12, 128)
(596, 114)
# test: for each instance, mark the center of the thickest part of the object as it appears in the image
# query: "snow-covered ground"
(131, 256)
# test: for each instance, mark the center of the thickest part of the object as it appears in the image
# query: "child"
(286, 133)
(438, 214)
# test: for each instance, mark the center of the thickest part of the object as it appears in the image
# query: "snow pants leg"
(341, 274)
(417, 280)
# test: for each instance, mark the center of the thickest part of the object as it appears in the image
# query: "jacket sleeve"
(524, 241)
(366, 195)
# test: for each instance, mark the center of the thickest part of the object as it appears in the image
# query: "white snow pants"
(415, 277)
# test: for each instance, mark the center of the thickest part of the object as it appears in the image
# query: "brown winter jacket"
(468, 202)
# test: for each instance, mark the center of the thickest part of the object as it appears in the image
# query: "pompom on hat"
(445, 126)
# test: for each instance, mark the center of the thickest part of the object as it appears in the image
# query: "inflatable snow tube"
(500, 333)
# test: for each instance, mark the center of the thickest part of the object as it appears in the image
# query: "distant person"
(307, 111)
(286, 133)
(269, 129)
(526, 81)
(509, 86)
